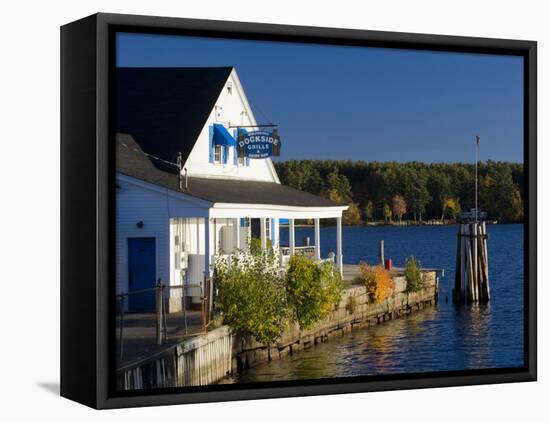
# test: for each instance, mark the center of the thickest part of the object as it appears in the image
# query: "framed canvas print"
(255, 211)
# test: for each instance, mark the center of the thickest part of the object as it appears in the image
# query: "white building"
(170, 224)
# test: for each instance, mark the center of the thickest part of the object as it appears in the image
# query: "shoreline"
(395, 225)
(221, 355)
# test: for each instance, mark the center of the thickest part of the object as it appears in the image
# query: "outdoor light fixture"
(140, 224)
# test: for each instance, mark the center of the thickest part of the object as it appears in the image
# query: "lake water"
(440, 338)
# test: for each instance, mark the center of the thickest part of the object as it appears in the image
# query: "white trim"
(277, 207)
(339, 255)
(317, 239)
(291, 236)
(251, 117)
(170, 192)
(207, 246)
(273, 213)
(263, 234)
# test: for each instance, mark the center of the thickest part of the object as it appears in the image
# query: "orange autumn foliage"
(377, 280)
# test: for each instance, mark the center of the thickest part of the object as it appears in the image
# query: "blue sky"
(334, 102)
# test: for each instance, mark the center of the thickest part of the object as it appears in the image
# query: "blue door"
(141, 273)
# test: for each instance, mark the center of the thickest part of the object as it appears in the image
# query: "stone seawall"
(209, 358)
(354, 310)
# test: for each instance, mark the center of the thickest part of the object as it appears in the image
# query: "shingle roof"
(165, 109)
(131, 161)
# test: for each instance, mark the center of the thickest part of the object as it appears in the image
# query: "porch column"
(291, 234)
(275, 232)
(206, 247)
(262, 233)
(339, 257)
(317, 239)
(237, 233)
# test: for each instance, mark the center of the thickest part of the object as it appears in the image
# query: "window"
(218, 153)
(229, 88)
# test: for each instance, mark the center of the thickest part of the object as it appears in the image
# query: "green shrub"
(312, 290)
(332, 287)
(256, 246)
(251, 295)
(413, 275)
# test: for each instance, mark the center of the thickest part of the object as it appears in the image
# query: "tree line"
(416, 191)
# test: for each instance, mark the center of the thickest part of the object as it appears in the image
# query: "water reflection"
(397, 346)
(441, 338)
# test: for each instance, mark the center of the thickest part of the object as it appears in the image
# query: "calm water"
(445, 337)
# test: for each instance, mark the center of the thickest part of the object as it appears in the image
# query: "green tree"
(340, 184)
(387, 212)
(439, 189)
(425, 187)
(369, 211)
(352, 216)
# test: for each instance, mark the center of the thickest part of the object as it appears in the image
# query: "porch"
(196, 242)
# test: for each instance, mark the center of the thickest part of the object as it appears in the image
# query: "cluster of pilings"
(472, 268)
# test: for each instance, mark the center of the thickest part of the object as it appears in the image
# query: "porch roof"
(131, 161)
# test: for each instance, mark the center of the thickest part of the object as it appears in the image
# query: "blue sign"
(258, 144)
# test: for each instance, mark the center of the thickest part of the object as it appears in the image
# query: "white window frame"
(218, 154)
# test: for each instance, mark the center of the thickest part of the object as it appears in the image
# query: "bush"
(312, 290)
(255, 245)
(251, 295)
(378, 281)
(332, 287)
(413, 275)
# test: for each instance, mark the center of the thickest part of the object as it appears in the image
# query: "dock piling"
(472, 270)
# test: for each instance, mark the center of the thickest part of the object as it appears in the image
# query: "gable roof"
(131, 161)
(165, 109)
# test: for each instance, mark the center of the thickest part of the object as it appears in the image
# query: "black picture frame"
(87, 207)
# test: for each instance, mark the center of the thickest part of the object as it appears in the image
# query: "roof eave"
(233, 210)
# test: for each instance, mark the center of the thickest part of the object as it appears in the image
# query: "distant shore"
(399, 224)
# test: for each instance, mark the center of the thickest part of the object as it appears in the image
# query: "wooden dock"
(139, 335)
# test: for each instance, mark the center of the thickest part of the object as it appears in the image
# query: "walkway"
(139, 334)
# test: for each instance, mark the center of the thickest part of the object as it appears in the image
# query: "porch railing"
(306, 250)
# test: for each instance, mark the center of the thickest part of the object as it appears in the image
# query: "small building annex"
(172, 221)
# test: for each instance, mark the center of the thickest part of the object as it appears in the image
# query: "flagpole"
(477, 148)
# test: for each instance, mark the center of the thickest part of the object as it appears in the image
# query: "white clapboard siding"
(135, 204)
(231, 108)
